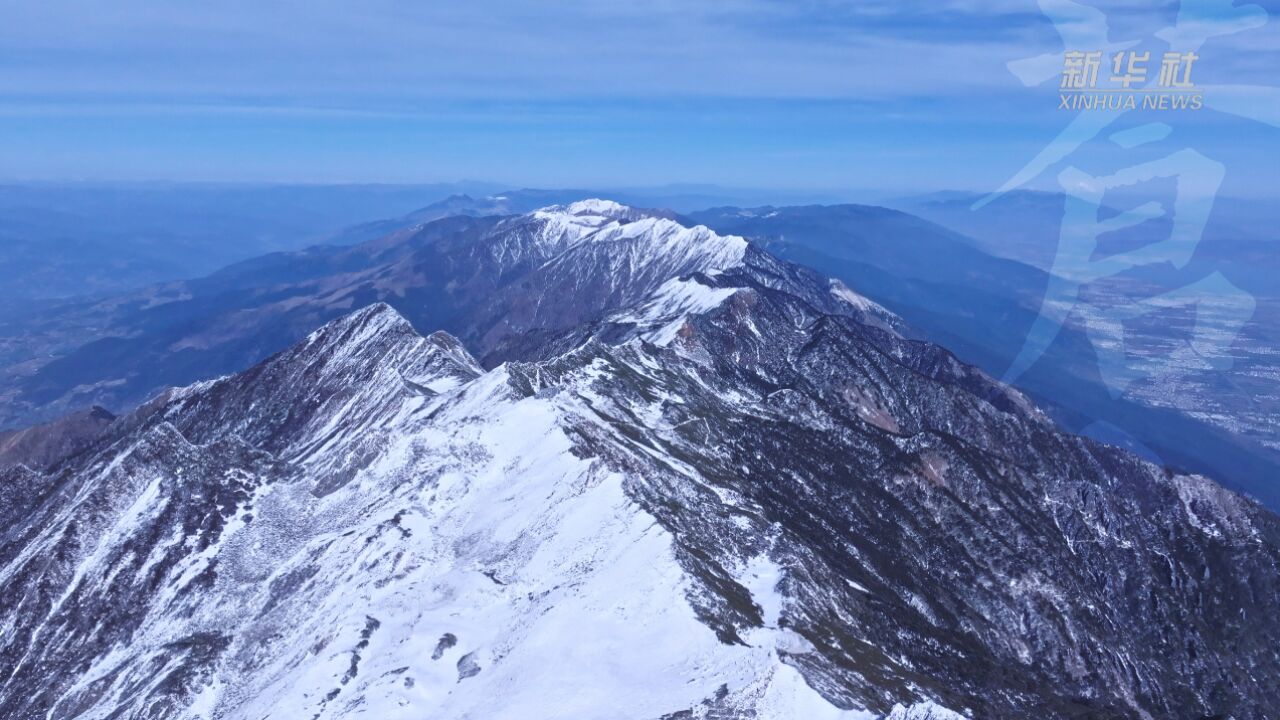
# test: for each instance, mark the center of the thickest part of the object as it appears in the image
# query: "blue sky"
(877, 96)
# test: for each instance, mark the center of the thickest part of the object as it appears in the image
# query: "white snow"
(443, 384)
(596, 206)
(589, 620)
(559, 228)
(675, 300)
(923, 711)
(872, 312)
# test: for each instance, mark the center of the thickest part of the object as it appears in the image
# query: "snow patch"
(596, 206)
(664, 313)
(923, 711)
(872, 312)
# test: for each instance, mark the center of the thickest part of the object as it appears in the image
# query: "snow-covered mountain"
(691, 481)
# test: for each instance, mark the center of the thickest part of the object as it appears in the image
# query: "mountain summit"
(688, 480)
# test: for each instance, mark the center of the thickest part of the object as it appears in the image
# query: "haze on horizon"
(873, 97)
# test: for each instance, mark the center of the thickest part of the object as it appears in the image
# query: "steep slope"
(117, 352)
(1215, 421)
(743, 493)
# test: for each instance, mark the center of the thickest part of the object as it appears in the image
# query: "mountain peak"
(379, 312)
(590, 214)
(599, 220)
(362, 326)
(378, 338)
(355, 372)
(556, 229)
(597, 206)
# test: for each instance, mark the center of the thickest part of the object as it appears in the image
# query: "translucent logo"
(1221, 309)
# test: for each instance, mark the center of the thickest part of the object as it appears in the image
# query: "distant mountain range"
(639, 469)
(1026, 226)
(509, 203)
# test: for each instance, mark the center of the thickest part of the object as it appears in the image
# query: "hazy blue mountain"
(512, 202)
(1021, 225)
(680, 198)
(983, 307)
(689, 197)
(1239, 237)
(1228, 375)
(64, 240)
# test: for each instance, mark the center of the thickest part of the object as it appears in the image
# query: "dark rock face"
(714, 451)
